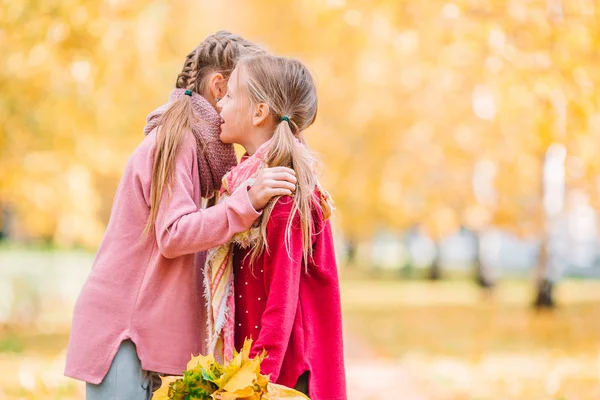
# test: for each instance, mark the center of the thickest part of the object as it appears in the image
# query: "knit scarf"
(218, 270)
(215, 158)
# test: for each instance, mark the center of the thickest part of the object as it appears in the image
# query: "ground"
(406, 340)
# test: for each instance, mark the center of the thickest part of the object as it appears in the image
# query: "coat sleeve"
(183, 228)
(282, 271)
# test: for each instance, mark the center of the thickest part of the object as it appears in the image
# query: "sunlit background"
(459, 140)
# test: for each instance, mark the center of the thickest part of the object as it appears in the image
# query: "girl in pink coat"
(141, 310)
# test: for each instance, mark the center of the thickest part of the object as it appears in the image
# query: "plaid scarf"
(218, 270)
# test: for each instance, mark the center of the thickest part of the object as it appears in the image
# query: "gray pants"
(125, 380)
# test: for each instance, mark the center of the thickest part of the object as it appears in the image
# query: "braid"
(217, 53)
(184, 75)
(225, 50)
(194, 73)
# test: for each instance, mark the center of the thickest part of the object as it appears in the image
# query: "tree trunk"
(482, 274)
(435, 273)
(351, 252)
(545, 298)
(545, 286)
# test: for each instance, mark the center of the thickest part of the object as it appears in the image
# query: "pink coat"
(148, 288)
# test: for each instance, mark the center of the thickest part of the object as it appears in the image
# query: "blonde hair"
(287, 87)
(217, 53)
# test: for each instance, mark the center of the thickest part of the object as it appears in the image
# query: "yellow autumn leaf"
(262, 380)
(245, 394)
(244, 377)
(230, 370)
(163, 392)
(278, 392)
(260, 358)
(204, 361)
(246, 349)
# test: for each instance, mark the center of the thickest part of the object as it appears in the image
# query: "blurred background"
(458, 138)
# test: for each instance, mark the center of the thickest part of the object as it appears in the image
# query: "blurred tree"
(432, 113)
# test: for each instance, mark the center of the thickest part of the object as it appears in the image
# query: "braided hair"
(217, 53)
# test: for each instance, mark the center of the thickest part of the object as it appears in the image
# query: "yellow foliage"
(243, 377)
(412, 95)
(240, 378)
(276, 392)
(203, 361)
(163, 392)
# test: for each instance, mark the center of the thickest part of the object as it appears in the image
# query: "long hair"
(217, 53)
(287, 87)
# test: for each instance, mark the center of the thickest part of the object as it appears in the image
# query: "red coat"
(293, 314)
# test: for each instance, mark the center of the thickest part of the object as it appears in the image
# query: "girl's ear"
(216, 88)
(261, 113)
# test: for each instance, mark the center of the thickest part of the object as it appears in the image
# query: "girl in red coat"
(277, 282)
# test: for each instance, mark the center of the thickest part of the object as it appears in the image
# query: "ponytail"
(287, 151)
(174, 124)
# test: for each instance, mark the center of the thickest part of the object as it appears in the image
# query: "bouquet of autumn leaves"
(206, 379)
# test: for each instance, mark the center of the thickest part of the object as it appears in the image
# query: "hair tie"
(285, 118)
(188, 93)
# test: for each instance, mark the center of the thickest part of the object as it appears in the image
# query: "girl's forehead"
(236, 77)
(231, 81)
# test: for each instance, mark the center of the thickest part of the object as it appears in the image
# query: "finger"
(280, 169)
(286, 185)
(284, 176)
(273, 184)
(280, 192)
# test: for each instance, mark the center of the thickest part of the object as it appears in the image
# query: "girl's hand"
(271, 182)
